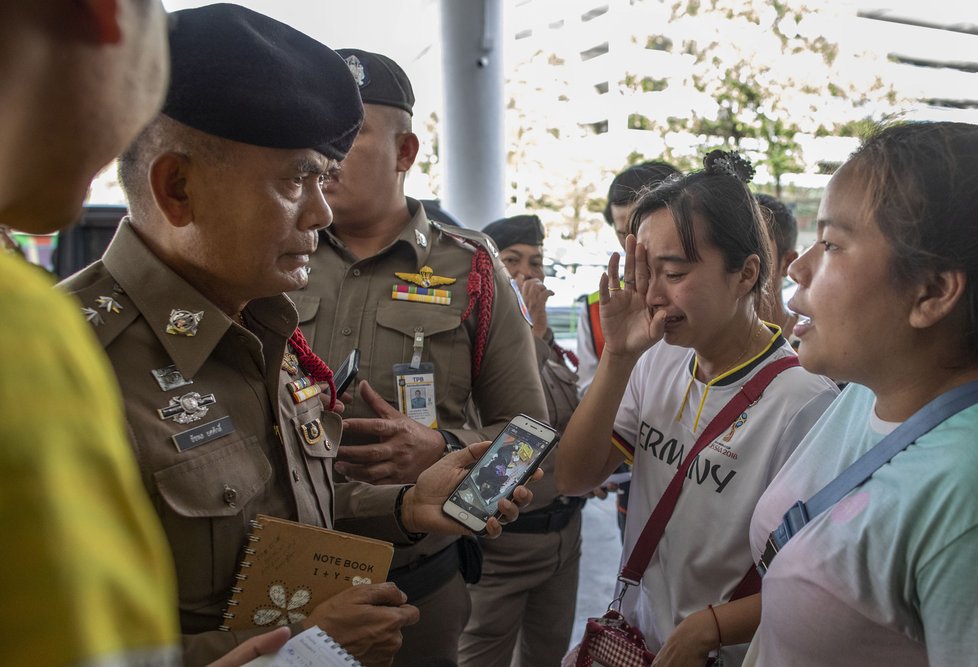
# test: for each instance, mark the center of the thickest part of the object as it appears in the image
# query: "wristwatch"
(452, 443)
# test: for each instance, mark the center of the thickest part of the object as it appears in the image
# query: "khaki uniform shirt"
(560, 390)
(347, 304)
(251, 450)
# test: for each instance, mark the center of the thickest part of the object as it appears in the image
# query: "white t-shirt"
(705, 551)
(889, 575)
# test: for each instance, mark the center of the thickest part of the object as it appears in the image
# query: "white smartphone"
(510, 460)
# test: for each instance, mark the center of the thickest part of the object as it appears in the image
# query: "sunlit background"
(593, 86)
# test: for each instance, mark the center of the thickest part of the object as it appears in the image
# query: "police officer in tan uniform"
(523, 607)
(225, 188)
(429, 308)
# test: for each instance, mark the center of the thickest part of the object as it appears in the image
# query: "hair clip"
(728, 163)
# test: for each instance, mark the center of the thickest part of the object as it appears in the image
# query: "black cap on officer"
(239, 75)
(517, 229)
(381, 80)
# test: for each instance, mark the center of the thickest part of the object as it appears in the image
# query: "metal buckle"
(616, 603)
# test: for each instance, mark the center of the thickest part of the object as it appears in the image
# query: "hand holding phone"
(509, 462)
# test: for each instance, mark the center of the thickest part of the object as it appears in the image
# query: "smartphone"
(510, 460)
(344, 374)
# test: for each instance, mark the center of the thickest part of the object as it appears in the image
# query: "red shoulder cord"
(566, 354)
(310, 362)
(481, 289)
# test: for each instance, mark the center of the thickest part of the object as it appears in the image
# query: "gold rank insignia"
(425, 277)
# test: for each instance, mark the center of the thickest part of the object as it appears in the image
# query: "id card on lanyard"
(416, 392)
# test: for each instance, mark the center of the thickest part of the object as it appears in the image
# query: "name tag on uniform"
(203, 434)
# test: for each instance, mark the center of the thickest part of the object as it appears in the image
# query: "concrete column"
(472, 151)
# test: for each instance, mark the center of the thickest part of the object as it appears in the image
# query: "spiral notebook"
(288, 568)
(312, 648)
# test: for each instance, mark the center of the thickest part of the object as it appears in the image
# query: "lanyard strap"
(937, 411)
(647, 542)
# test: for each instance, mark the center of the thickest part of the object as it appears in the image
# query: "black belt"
(426, 575)
(549, 519)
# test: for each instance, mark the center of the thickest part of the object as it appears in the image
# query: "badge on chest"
(416, 392)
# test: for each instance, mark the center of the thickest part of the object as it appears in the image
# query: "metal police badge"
(170, 378)
(312, 432)
(358, 71)
(187, 408)
(183, 322)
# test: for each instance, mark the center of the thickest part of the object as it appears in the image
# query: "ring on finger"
(628, 282)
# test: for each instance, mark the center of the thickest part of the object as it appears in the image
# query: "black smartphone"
(510, 460)
(344, 374)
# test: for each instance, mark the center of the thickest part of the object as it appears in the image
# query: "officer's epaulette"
(103, 303)
(467, 237)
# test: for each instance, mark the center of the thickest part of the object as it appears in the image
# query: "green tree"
(773, 75)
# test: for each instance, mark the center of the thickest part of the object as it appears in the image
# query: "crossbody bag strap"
(647, 542)
(937, 411)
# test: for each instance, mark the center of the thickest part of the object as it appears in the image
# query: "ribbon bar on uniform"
(442, 297)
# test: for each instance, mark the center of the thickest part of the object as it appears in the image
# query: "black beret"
(240, 75)
(518, 229)
(381, 80)
(628, 184)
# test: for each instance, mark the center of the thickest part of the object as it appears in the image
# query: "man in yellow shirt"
(86, 577)
(85, 574)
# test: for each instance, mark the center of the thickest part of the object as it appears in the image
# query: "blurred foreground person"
(86, 577)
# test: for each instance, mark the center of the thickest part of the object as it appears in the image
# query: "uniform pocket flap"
(307, 305)
(404, 316)
(218, 483)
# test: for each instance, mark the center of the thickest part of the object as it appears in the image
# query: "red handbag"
(609, 640)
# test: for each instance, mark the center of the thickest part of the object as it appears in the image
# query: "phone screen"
(513, 455)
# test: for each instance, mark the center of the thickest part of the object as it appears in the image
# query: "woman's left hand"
(690, 643)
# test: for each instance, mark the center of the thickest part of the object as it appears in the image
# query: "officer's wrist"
(452, 442)
(400, 518)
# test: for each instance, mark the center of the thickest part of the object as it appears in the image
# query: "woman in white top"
(682, 336)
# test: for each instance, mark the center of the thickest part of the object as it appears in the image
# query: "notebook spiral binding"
(239, 575)
(341, 652)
